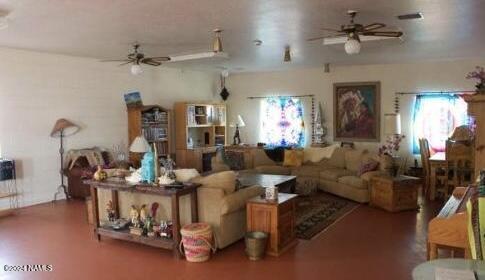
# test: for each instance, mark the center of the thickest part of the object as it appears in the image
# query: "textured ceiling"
(104, 29)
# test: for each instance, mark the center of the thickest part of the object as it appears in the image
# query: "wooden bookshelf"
(154, 122)
(200, 128)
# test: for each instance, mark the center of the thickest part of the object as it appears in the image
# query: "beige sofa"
(220, 205)
(338, 174)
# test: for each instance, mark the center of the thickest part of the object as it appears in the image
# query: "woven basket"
(197, 242)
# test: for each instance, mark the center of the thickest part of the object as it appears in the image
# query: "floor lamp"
(61, 129)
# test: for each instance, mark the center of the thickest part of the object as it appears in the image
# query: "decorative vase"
(100, 174)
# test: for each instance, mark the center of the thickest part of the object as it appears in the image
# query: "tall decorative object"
(479, 76)
(156, 162)
(320, 131)
(147, 170)
(392, 128)
(237, 124)
(61, 129)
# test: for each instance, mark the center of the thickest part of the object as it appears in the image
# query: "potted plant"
(390, 149)
(479, 75)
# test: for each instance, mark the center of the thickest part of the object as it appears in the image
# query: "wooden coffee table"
(284, 183)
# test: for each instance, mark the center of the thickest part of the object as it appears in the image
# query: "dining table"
(436, 161)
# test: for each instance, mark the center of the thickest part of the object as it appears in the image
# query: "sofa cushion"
(225, 180)
(307, 170)
(185, 175)
(316, 154)
(368, 175)
(353, 181)
(293, 158)
(338, 157)
(273, 169)
(353, 159)
(334, 173)
(260, 158)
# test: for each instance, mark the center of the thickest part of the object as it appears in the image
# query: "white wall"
(37, 88)
(393, 77)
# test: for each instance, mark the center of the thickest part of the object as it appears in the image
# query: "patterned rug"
(318, 211)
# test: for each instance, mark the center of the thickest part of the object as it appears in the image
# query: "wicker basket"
(197, 242)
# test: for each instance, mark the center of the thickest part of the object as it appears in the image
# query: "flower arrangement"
(392, 145)
(479, 75)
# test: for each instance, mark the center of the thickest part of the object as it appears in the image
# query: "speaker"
(7, 169)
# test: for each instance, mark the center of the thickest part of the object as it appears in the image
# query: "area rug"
(318, 211)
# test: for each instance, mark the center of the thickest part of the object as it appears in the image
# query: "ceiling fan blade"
(374, 26)
(115, 60)
(331, 29)
(127, 62)
(316, 38)
(383, 33)
(159, 58)
(150, 62)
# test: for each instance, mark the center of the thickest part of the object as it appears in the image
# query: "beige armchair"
(223, 207)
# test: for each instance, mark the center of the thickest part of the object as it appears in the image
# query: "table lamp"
(139, 146)
(61, 129)
(237, 124)
(392, 124)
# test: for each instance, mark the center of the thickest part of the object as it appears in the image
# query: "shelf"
(125, 234)
(220, 135)
(158, 140)
(199, 125)
(5, 195)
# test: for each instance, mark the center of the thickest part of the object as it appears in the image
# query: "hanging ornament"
(224, 92)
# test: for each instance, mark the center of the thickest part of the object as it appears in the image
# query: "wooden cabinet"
(153, 122)
(200, 127)
(276, 218)
(476, 109)
(394, 193)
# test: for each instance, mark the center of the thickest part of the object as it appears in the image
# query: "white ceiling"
(104, 29)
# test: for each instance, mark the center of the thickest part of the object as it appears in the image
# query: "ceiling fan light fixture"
(217, 47)
(287, 57)
(352, 46)
(136, 69)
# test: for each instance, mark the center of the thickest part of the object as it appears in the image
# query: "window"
(435, 118)
(282, 122)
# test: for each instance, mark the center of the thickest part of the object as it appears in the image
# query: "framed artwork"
(357, 111)
(133, 99)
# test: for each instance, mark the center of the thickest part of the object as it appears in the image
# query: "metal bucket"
(256, 244)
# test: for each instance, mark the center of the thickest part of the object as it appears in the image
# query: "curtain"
(282, 122)
(435, 117)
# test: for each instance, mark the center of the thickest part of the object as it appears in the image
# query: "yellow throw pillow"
(293, 158)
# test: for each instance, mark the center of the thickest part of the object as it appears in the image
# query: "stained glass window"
(282, 122)
(435, 118)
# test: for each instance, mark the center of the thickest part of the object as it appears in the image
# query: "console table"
(120, 185)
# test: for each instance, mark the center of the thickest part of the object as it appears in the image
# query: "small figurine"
(135, 217)
(168, 165)
(110, 211)
(100, 174)
(147, 170)
(148, 227)
(143, 213)
(154, 209)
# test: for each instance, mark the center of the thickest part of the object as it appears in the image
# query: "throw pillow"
(185, 175)
(293, 158)
(234, 159)
(314, 154)
(367, 166)
(225, 180)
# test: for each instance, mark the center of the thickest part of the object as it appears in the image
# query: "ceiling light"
(287, 57)
(3, 20)
(257, 42)
(136, 69)
(352, 46)
(217, 47)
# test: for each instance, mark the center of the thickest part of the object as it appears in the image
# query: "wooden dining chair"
(425, 155)
(459, 165)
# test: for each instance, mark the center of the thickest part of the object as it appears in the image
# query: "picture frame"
(357, 111)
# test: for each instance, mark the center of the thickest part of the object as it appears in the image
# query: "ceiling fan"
(136, 58)
(353, 34)
(217, 50)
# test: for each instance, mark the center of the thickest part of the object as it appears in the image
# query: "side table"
(394, 193)
(276, 218)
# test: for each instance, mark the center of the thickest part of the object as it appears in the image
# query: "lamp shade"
(139, 145)
(238, 122)
(392, 124)
(64, 127)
